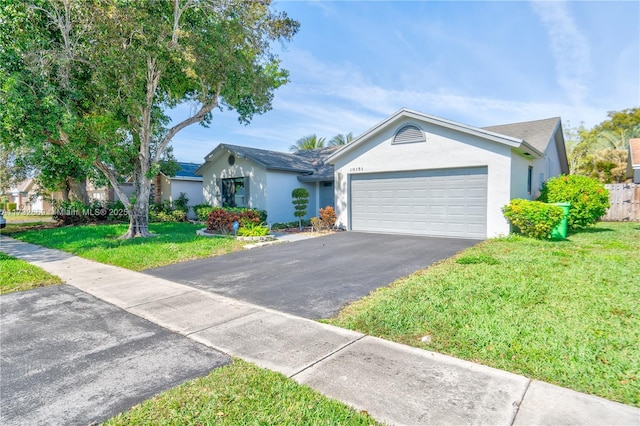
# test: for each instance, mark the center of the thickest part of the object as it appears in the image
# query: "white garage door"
(451, 202)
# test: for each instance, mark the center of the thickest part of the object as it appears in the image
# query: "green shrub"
(588, 197)
(287, 225)
(179, 215)
(253, 230)
(202, 211)
(182, 203)
(11, 207)
(533, 218)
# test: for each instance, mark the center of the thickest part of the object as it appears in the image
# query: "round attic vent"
(232, 160)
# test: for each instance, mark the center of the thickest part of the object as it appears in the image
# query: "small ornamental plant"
(325, 221)
(300, 200)
(533, 218)
(588, 197)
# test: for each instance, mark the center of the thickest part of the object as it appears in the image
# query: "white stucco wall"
(279, 205)
(544, 168)
(192, 188)
(519, 177)
(220, 169)
(444, 148)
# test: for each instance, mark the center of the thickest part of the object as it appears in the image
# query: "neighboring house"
(238, 176)
(167, 188)
(415, 173)
(28, 198)
(633, 161)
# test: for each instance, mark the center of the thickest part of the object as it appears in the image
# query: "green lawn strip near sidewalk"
(174, 242)
(565, 312)
(238, 394)
(18, 275)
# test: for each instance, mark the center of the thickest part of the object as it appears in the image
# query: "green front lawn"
(242, 394)
(563, 312)
(18, 275)
(175, 242)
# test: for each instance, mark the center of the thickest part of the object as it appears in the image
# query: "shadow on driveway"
(313, 278)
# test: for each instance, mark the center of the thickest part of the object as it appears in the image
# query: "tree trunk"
(139, 212)
(78, 187)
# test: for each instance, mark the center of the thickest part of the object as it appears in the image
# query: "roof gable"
(403, 113)
(537, 133)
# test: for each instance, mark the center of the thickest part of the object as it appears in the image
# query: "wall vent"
(409, 134)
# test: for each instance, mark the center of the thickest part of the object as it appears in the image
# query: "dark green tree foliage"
(95, 77)
(588, 197)
(300, 200)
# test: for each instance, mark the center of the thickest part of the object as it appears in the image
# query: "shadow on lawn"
(590, 231)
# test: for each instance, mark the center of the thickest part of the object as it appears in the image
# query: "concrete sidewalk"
(396, 384)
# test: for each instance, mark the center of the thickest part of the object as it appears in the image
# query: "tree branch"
(198, 117)
(111, 176)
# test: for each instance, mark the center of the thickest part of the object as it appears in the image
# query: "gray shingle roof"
(310, 163)
(536, 133)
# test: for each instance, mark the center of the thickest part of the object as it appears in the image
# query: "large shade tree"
(97, 77)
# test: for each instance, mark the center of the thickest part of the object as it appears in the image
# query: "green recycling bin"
(560, 231)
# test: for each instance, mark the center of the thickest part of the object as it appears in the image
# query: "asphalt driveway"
(69, 358)
(313, 278)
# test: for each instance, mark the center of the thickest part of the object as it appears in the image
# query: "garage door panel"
(429, 202)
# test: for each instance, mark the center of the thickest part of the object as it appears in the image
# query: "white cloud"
(569, 47)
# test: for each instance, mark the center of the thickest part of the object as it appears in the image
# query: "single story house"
(28, 197)
(169, 188)
(415, 173)
(239, 176)
(633, 161)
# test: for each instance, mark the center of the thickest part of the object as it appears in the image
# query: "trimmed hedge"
(588, 197)
(533, 218)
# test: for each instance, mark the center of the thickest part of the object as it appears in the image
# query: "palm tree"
(307, 143)
(340, 139)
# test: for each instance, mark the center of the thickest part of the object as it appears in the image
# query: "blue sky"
(353, 63)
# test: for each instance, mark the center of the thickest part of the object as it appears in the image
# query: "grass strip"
(563, 312)
(174, 242)
(241, 394)
(18, 275)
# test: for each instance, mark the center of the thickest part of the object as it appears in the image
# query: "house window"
(409, 134)
(529, 180)
(233, 192)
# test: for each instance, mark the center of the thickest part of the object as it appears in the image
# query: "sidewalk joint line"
(328, 355)
(158, 300)
(222, 323)
(515, 415)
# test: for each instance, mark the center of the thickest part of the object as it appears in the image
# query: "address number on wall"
(356, 169)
